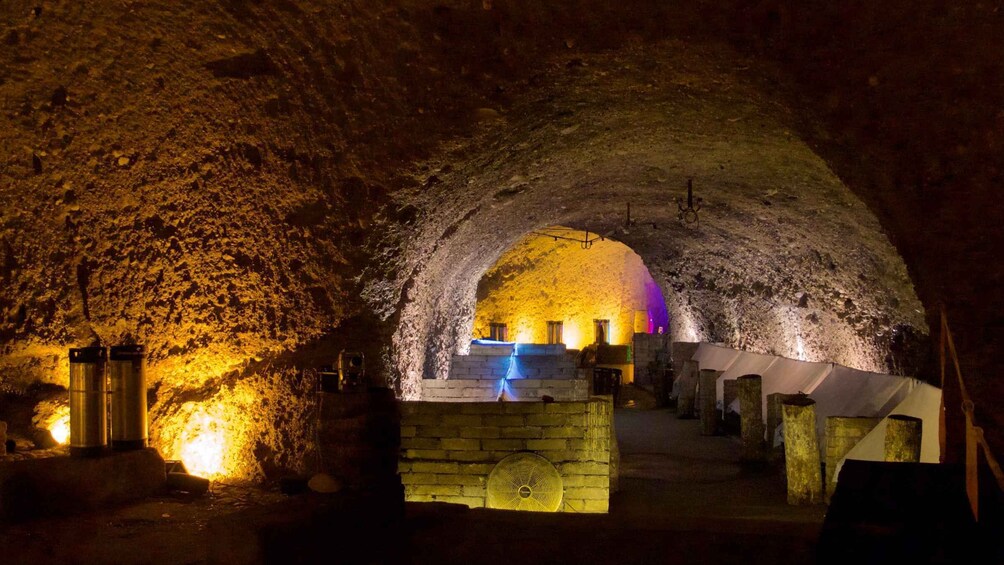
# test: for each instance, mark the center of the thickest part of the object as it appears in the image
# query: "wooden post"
(801, 451)
(679, 353)
(709, 416)
(688, 390)
(902, 438)
(751, 416)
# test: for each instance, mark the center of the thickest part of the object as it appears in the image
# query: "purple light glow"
(658, 316)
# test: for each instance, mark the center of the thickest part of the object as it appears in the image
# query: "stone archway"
(785, 258)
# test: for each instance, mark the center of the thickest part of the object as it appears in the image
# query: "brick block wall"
(60, 485)
(461, 390)
(516, 390)
(479, 366)
(533, 362)
(841, 435)
(545, 366)
(494, 350)
(540, 349)
(539, 370)
(448, 449)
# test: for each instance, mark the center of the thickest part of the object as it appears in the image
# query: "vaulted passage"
(560, 285)
(782, 257)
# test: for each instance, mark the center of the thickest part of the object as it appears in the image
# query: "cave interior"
(350, 244)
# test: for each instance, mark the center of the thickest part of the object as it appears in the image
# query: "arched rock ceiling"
(224, 180)
(785, 259)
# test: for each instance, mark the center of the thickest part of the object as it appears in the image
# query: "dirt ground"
(683, 498)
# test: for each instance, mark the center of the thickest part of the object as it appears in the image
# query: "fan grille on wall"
(524, 481)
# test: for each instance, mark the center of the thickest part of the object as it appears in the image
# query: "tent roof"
(837, 390)
(715, 357)
(746, 364)
(923, 402)
(854, 393)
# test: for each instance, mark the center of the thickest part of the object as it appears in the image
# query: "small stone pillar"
(709, 416)
(751, 416)
(680, 352)
(902, 438)
(842, 434)
(801, 451)
(688, 390)
(3, 438)
(774, 402)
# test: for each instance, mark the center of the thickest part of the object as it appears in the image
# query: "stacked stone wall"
(646, 348)
(488, 374)
(448, 449)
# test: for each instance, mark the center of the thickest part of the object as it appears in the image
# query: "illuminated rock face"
(256, 427)
(542, 279)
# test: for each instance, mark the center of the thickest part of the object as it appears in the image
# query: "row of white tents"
(837, 391)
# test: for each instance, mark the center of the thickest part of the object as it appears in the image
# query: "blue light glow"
(492, 342)
(505, 392)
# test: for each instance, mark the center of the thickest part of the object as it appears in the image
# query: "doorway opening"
(596, 300)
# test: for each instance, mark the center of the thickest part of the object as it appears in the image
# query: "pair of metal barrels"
(92, 371)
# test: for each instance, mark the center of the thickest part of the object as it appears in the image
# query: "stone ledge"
(61, 485)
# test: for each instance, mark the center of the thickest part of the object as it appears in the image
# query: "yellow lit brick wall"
(448, 449)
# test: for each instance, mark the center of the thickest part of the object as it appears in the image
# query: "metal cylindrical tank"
(88, 401)
(126, 367)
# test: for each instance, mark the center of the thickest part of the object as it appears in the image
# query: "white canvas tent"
(791, 376)
(745, 364)
(714, 357)
(923, 402)
(857, 394)
(837, 390)
(787, 376)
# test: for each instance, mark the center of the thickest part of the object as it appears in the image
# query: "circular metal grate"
(525, 481)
